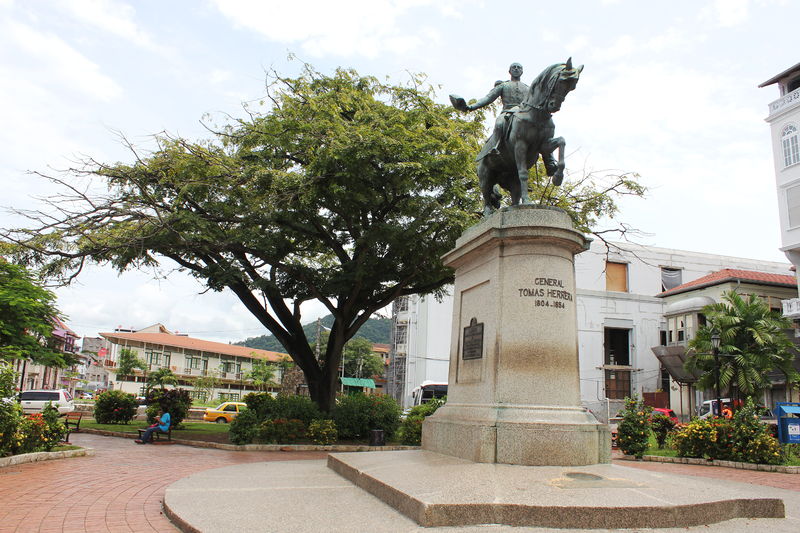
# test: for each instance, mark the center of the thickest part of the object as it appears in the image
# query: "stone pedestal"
(514, 390)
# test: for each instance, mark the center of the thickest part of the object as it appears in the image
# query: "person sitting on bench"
(162, 425)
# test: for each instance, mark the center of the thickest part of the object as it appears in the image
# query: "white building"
(784, 121)
(620, 318)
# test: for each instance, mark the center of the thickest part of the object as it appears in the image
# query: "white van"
(34, 401)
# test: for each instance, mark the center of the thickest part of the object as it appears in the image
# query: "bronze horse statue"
(529, 134)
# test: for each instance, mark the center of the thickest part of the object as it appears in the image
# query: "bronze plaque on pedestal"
(472, 347)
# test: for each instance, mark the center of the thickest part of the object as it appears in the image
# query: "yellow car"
(224, 412)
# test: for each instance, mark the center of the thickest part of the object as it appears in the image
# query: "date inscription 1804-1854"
(472, 345)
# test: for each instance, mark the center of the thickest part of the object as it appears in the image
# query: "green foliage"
(753, 343)
(128, 361)
(26, 313)
(244, 428)
(322, 432)
(360, 361)
(633, 431)
(262, 375)
(281, 431)
(261, 404)
(743, 438)
(355, 415)
(114, 407)
(206, 384)
(55, 430)
(295, 407)
(176, 402)
(410, 432)
(10, 409)
(161, 377)
(661, 426)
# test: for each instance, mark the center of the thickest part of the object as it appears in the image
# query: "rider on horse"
(511, 93)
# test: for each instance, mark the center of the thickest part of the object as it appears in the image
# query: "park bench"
(72, 421)
(157, 436)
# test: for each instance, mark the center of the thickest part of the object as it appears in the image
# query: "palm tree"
(161, 377)
(753, 343)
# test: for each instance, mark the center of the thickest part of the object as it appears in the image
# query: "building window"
(791, 145)
(400, 335)
(670, 278)
(616, 277)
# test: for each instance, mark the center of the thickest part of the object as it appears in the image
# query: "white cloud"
(348, 27)
(731, 12)
(111, 16)
(52, 58)
(623, 47)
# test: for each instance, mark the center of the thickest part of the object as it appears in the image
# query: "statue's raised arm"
(523, 131)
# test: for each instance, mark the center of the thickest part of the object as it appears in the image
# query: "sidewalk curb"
(263, 447)
(35, 457)
(715, 462)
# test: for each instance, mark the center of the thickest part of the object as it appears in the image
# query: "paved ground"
(122, 487)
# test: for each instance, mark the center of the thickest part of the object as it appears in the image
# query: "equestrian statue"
(523, 131)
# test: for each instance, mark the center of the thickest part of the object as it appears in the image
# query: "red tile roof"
(733, 274)
(189, 343)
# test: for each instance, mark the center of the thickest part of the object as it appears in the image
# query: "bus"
(428, 391)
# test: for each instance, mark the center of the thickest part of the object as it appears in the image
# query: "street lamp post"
(715, 342)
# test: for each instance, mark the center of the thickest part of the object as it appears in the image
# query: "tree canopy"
(346, 190)
(753, 342)
(26, 318)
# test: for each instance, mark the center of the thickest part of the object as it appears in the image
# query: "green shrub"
(244, 428)
(633, 431)
(295, 407)
(661, 426)
(10, 410)
(114, 407)
(176, 402)
(260, 403)
(743, 438)
(410, 432)
(281, 431)
(55, 430)
(356, 415)
(30, 434)
(322, 432)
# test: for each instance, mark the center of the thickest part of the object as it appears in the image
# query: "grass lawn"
(206, 431)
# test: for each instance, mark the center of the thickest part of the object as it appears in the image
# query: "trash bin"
(376, 437)
(788, 427)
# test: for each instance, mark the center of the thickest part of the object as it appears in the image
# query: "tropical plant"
(322, 432)
(661, 426)
(355, 415)
(753, 343)
(26, 314)
(281, 431)
(262, 375)
(128, 361)
(244, 428)
(633, 431)
(161, 378)
(10, 409)
(205, 385)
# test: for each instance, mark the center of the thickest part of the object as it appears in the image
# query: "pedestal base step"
(440, 490)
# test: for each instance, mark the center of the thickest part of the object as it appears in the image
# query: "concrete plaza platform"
(307, 496)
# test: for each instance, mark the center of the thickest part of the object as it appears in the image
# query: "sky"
(669, 91)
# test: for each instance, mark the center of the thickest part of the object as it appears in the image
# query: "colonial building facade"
(188, 358)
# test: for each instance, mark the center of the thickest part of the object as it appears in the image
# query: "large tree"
(346, 190)
(26, 318)
(753, 342)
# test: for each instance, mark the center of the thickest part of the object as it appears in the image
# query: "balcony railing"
(791, 308)
(785, 102)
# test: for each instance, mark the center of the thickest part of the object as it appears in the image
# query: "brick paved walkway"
(120, 489)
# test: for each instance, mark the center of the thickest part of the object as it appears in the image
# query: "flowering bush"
(281, 431)
(55, 430)
(356, 415)
(10, 410)
(410, 432)
(322, 432)
(633, 431)
(114, 407)
(743, 438)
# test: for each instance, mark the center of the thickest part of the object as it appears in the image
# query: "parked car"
(34, 401)
(669, 413)
(224, 413)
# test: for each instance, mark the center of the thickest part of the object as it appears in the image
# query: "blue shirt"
(164, 422)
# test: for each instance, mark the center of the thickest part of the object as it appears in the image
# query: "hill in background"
(375, 330)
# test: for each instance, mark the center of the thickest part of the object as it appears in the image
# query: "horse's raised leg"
(521, 158)
(554, 169)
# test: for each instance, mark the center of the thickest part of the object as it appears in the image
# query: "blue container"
(788, 422)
